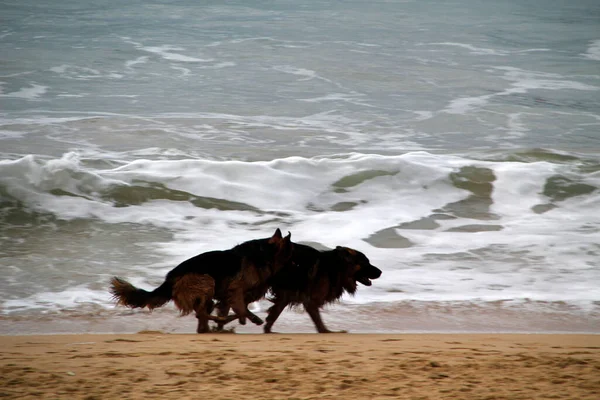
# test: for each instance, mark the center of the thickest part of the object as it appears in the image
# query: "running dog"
(312, 278)
(228, 276)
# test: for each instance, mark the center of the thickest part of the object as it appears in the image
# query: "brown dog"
(227, 276)
(314, 278)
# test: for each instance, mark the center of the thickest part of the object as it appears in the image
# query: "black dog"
(314, 278)
(226, 276)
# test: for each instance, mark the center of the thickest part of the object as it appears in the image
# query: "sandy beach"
(154, 365)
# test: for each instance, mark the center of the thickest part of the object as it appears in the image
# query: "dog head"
(359, 266)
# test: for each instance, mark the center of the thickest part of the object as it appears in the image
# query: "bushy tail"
(128, 295)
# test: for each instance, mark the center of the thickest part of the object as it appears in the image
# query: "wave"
(516, 226)
(460, 187)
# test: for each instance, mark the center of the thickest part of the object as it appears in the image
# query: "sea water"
(456, 144)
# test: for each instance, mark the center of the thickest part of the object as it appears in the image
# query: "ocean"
(455, 143)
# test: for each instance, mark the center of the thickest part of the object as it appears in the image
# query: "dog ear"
(286, 241)
(276, 238)
(343, 250)
(346, 250)
(286, 246)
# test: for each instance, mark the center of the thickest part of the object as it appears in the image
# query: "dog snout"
(375, 272)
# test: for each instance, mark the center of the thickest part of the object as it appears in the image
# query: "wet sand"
(153, 365)
(389, 318)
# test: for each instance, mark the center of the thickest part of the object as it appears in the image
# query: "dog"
(314, 278)
(228, 276)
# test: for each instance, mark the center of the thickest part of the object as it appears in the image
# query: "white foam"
(518, 186)
(30, 179)
(465, 104)
(306, 73)
(486, 51)
(515, 125)
(540, 80)
(139, 60)
(61, 69)
(167, 52)
(184, 71)
(523, 81)
(17, 74)
(127, 96)
(76, 72)
(9, 134)
(329, 122)
(423, 115)
(30, 93)
(58, 301)
(288, 69)
(42, 120)
(269, 39)
(473, 49)
(593, 51)
(533, 50)
(220, 65)
(348, 98)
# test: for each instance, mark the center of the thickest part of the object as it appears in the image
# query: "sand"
(153, 365)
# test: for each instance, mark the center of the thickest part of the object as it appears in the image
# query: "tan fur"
(250, 276)
(128, 295)
(190, 292)
(120, 287)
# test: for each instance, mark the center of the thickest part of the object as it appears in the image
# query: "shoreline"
(380, 318)
(152, 365)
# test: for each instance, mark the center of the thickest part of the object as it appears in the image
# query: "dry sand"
(301, 366)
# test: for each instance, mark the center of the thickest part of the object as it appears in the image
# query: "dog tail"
(128, 295)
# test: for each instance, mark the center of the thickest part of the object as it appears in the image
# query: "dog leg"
(202, 316)
(315, 315)
(274, 312)
(222, 311)
(223, 320)
(203, 306)
(255, 319)
(202, 324)
(236, 301)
